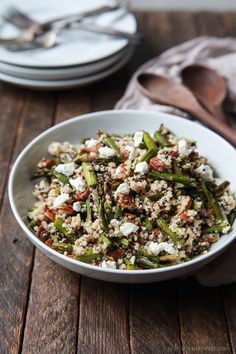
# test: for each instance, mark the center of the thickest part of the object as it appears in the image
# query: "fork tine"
(21, 14)
(16, 18)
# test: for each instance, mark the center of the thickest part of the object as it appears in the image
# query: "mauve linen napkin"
(219, 54)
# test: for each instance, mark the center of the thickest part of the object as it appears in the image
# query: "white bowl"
(221, 155)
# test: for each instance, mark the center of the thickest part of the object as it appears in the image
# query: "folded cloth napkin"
(219, 54)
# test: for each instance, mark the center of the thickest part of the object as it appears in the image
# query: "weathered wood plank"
(103, 326)
(16, 251)
(202, 319)
(183, 26)
(51, 323)
(10, 114)
(56, 289)
(154, 326)
(229, 295)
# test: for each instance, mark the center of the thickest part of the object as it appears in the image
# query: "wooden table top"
(45, 308)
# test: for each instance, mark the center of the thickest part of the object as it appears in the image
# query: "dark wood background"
(47, 309)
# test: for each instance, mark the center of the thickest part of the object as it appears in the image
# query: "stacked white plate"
(80, 57)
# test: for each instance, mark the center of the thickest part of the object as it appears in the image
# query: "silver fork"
(46, 37)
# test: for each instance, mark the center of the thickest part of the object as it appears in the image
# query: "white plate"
(65, 84)
(76, 47)
(63, 73)
(209, 144)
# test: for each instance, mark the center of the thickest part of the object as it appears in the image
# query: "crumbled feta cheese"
(109, 264)
(118, 170)
(132, 259)
(123, 188)
(60, 200)
(127, 228)
(138, 138)
(90, 143)
(76, 206)
(114, 222)
(78, 183)
(183, 147)
(105, 151)
(66, 169)
(141, 167)
(54, 148)
(205, 171)
(155, 248)
(132, 152)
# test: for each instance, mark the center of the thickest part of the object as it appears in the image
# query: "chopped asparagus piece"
(106, 240)
(212, 201)
(124, 242)
(61, 177)
(58, 224)
(173, 177)
(145, 262)
(156, 196)
(165, 228)
(160, 139)
(110, 142)
(88, 209)
(89, 174)
(148, 155)
(149, 142)
(88, 257)
(62, 247)
(148, 224)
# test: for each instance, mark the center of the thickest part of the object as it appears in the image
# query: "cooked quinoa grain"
(130, 201)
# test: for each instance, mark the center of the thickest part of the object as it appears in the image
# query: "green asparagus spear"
(88, 257)
(218, 228)
(148, 155)
(165, 228)
(58, 224)
(110, 142)
(61, 177)
(212, 201)
(232, 217)
(156, 196)
(146, 263)
(124, 242)
(149, 142)
(62, 247)
(148, 224)
(89, 174)
(106, 240)
(88, 209)
(173, 177)
(160, 139)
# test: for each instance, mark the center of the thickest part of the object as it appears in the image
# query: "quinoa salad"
(128, 202)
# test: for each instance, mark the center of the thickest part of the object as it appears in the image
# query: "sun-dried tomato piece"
(117, 253)
(156, 164)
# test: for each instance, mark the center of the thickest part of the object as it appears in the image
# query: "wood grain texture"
(229, 295)
(55, 312)
(10, 114)
(202, 319)
(154, 323)
(104, 324)
(16, 251)
(51, 323)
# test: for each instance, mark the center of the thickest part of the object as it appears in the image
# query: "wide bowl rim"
(39, 244)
